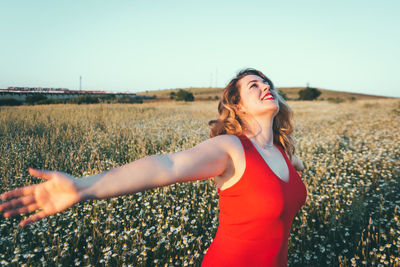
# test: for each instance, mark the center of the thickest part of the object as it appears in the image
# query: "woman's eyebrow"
(253, 81)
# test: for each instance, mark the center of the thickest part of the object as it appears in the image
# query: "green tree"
(183, 95)
(84, 99)
(33, 99)
(129, 100)
(309, 93)
(9, 102)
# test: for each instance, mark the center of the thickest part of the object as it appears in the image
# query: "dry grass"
(351, 153)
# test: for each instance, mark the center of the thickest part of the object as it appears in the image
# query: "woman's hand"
(58, 193)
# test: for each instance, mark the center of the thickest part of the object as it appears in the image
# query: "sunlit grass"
(350, 150)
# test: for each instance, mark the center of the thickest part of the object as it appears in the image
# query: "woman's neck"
(261, 131)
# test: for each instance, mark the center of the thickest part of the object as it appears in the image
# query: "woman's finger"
(41, 173)
(35, 217)
(26, 200)
(22, 191)
(24, 209)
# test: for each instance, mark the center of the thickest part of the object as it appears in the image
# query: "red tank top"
(256, 215)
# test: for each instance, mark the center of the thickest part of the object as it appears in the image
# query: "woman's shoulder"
(228, 138)
(234, 146)
(232, 143)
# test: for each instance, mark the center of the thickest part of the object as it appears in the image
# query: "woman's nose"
(266, 87)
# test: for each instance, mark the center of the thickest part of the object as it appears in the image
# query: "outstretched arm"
(205, 160)
(62, 191)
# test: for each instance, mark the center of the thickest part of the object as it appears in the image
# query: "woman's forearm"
(145, 173)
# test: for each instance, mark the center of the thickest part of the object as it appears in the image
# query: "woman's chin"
(270, 112)
(272, 106)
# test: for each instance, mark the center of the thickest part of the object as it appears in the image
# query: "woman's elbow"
(159, 168)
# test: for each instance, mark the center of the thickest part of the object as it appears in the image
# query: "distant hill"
(291, 92)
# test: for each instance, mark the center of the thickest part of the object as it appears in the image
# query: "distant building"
(20, 93)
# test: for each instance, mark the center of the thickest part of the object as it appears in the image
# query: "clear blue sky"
(145, 45)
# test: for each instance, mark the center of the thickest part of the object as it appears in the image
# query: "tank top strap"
(247, 147)
(283, 151)
(246, 143)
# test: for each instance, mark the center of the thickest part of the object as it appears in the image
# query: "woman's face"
(256, 97)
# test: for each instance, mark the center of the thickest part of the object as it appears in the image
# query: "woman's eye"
(254, 84)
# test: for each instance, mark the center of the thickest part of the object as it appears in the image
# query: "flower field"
(351, 152)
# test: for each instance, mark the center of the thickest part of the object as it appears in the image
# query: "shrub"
(128, 99)
(183, 95)
(309, 94)
(45, 101)
(9, 102)
(107, 99)
(85, 99)
(336, 100)
(33, 99)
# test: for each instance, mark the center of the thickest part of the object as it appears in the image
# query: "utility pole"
(216, 77)
(80, 83)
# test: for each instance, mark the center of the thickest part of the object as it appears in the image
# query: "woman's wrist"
(84, 188)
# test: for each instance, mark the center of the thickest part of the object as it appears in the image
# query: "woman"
(250, 154)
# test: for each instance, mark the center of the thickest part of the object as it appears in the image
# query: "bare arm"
(62, 191)
(297, 164)
(203, 161)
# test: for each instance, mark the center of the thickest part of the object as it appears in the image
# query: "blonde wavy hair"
(230, 120)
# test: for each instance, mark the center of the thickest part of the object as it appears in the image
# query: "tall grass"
(351, 216)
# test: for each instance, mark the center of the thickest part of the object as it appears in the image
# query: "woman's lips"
(267, 95)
